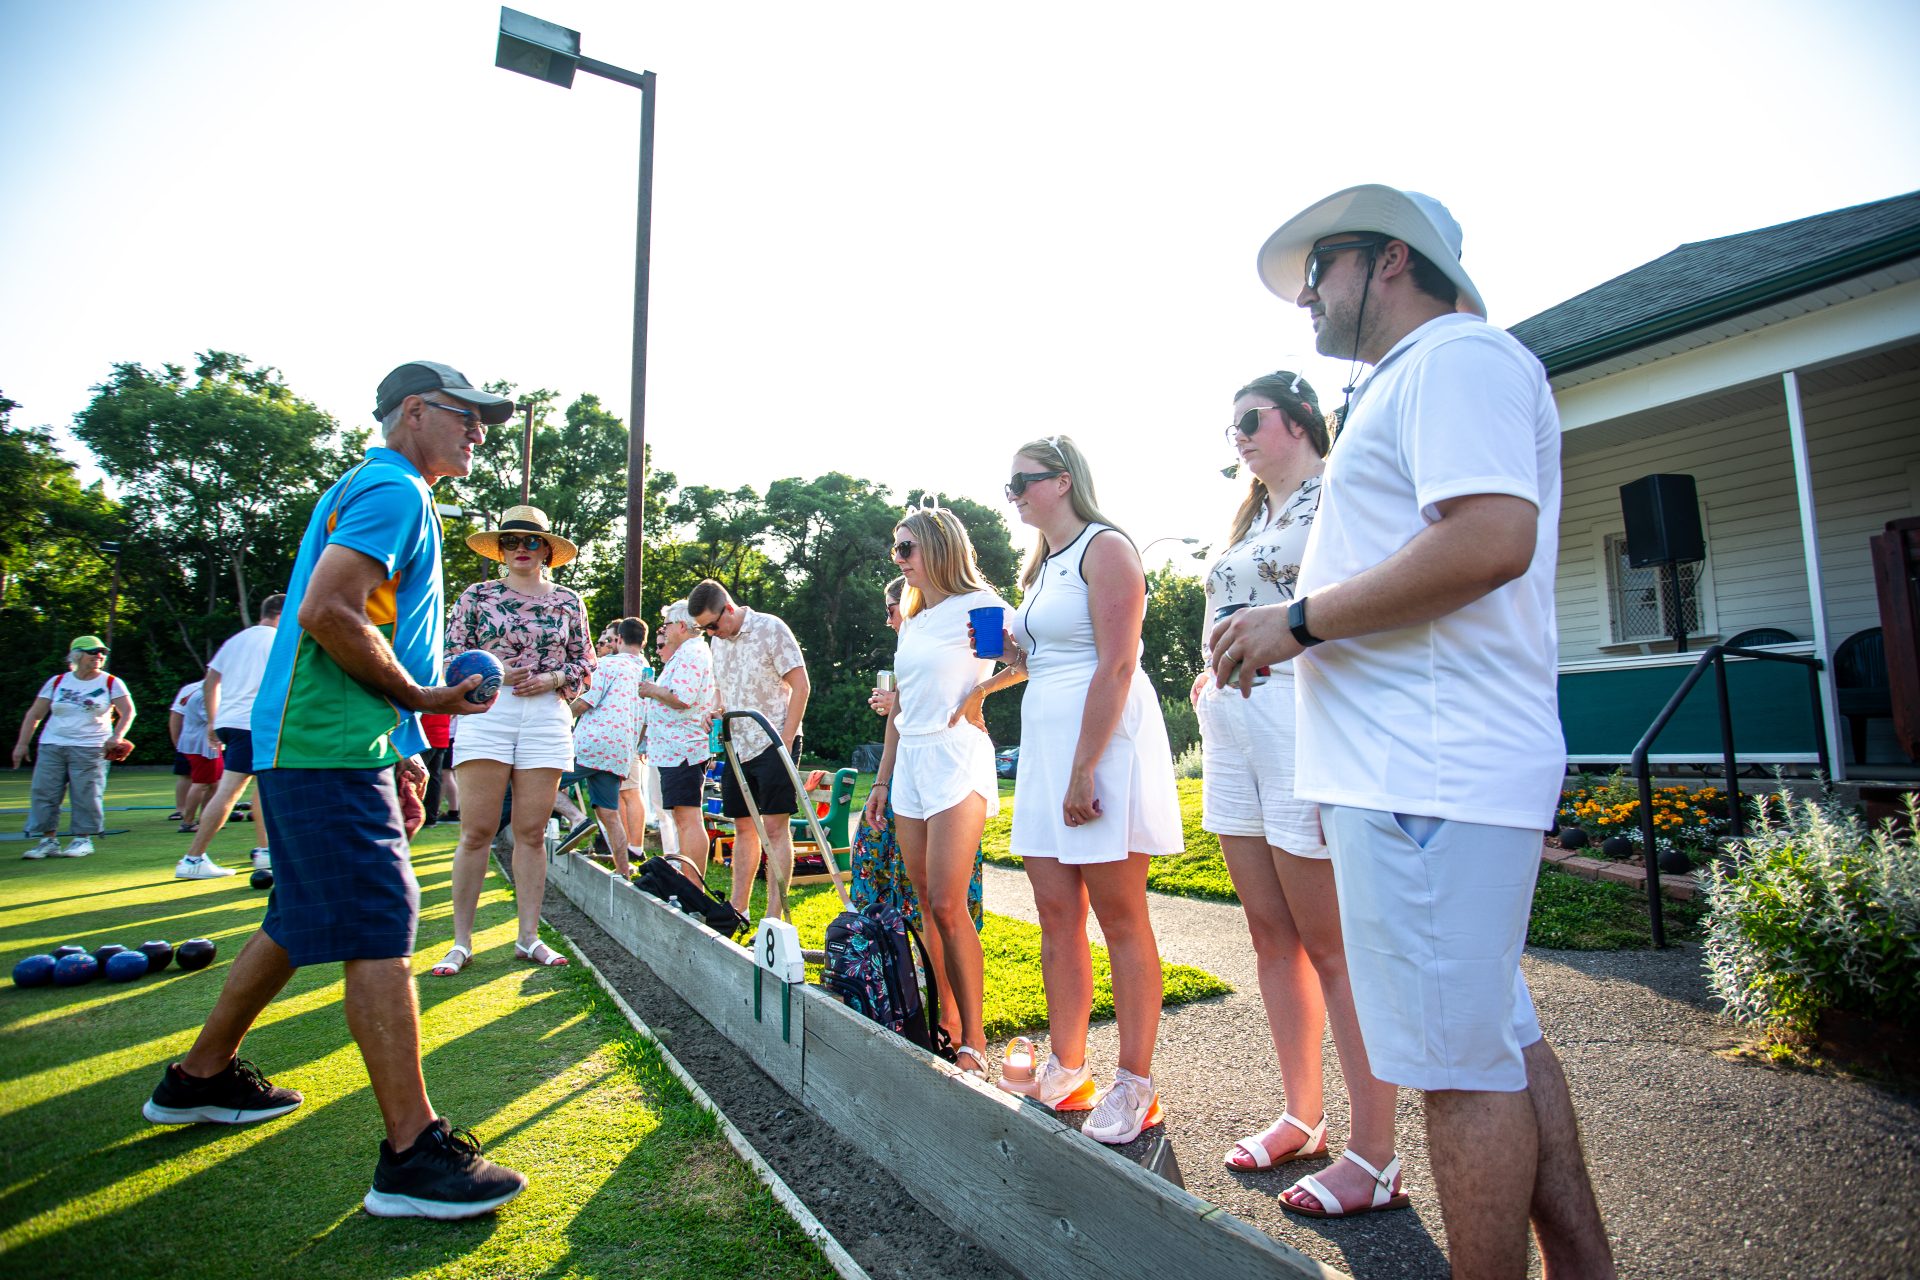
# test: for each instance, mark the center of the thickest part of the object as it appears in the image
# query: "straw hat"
(523, 520)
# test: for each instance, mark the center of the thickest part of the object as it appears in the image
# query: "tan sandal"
(979, 1068)
(449, 966)
(532, 955)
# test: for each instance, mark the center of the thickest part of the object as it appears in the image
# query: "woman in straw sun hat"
(524, 741)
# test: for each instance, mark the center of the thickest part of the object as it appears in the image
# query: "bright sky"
(895, 240)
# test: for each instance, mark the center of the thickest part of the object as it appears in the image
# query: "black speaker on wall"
(1662, 514)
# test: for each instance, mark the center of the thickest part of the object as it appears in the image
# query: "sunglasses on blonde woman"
(1021, 479)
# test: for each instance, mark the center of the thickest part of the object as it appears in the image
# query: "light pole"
(550, 52)
(1190, 542)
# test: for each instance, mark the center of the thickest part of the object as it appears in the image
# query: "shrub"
(1812, 914)
(1183, 725)
(1187, 763)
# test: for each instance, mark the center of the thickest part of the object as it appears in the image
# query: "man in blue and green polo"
(355, 661)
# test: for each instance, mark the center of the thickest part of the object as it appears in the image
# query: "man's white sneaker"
(202, 868)
(47, 848)
(78, 847)
(1123, 1109)
(262, 859)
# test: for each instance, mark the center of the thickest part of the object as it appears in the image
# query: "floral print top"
(542, 633)
(1263, 567)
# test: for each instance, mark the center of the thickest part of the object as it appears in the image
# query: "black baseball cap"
(421, 376)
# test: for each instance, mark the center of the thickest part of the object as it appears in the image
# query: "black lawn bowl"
(261, 879)
(1573, 837)
(71, 949)
(159, 954)
(194, 953)
(1617, 847)
(106, 953)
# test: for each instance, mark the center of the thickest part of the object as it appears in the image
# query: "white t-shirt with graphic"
(82, 710)
(934, 663)
(241, 662)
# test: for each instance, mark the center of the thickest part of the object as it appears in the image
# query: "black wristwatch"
(1297, 623)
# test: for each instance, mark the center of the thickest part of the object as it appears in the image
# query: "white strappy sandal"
(1384, 1196)
(453, 962)
(1256, 1155)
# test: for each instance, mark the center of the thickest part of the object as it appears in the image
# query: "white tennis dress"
(1140, 809)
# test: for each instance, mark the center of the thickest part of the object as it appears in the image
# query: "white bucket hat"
(1420, 220)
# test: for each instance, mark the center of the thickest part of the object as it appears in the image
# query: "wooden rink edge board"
(1041, 1197)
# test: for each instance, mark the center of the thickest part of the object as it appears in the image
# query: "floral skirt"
(880, 876)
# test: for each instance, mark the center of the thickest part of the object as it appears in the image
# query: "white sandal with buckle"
(1255, 1155)
(532, 955)
(1384, 1196)
(453, 962)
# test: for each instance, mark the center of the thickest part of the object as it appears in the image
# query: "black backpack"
(663, 880)
(869, 967)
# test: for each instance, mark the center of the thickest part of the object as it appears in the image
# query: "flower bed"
(1686, 820)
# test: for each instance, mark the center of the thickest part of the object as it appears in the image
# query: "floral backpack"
(869, 966)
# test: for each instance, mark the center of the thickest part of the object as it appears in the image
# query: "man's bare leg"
(258, 974)
(779, 862)
(1484, 1146)
(1566, 1217)
(746, 864)
(384, 1017)
(214, 815)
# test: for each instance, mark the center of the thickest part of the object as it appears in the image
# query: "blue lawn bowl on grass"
(75, 971)
(126, 967)
(34, 971)
(477, 662)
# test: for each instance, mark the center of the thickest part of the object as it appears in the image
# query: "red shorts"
(204, 769)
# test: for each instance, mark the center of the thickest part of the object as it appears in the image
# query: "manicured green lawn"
(628, 1175)
(1014, 999)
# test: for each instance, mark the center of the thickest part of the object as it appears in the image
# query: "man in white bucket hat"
(1428, 726)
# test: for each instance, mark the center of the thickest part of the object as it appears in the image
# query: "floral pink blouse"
(542, 633)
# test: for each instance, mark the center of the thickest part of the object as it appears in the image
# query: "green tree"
(217, 473)
(1170, 633)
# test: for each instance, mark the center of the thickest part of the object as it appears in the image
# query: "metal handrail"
(1714, 656)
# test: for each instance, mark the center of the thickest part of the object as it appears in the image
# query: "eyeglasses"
(1021, 479)
(472, 418)
(903, 549)
(515, 541)
(1316, 265)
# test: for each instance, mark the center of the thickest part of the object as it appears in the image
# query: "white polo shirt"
(1457, 718)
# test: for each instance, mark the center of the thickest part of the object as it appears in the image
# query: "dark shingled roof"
(1708, 281)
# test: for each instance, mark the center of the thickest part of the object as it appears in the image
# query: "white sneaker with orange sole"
(1123, 1109)
(1055, 1086)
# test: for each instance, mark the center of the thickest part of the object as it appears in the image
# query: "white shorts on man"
(937, 765)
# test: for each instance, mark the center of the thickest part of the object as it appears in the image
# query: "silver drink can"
(883, 681)
(1260, 674)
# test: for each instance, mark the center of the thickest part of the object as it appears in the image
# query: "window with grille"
(1638, 602)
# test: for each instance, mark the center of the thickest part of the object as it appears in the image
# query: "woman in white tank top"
(1095, 796)
(937, 767)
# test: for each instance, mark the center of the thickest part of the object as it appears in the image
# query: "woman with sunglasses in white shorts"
(524, 741)
(1095, 796)
(1281, 868)
(937, 766)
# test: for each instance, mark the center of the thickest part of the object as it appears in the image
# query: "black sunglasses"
(515, 541)
(473, 419)
(711, 627)
(1249, 422)
(1315, 265)
(1021, 479)
(903, 549)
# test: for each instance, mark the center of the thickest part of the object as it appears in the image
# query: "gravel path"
(1705, 1166)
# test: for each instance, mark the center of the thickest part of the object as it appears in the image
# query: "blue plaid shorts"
(343, 883)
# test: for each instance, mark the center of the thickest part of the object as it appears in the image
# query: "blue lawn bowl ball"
(126, 966)
(477, 662)
(71, 949)
(34, 971)
(108, 952)
(159, 953)
(74, 971)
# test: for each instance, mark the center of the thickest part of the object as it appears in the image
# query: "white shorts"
(1435, 916)
(527, 733)
(932, 772)
(1246, 789)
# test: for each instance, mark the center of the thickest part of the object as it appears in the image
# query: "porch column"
(1816, 592)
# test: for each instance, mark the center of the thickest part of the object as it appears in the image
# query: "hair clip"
(1294, 387)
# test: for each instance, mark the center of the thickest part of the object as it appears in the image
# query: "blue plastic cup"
(988, 622)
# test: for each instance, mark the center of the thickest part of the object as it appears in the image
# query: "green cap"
(88, 644)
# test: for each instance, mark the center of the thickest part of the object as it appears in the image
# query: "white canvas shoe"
(199, 869)
(47, 848)
(262, 859)
(78, 847)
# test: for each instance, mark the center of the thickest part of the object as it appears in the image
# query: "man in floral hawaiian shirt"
(608, 728)
(757, 666)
